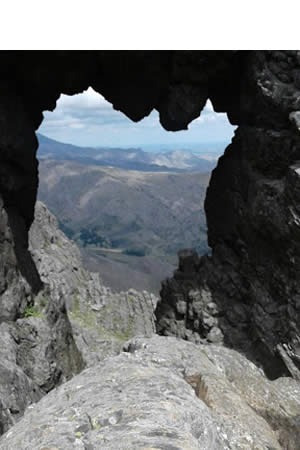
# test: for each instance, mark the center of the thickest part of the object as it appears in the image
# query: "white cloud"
(77, 125)
(209, 106)
(90, 109)
(88, 99)
(85, 110)
(208, 115)
(206, 118)
(88, 119)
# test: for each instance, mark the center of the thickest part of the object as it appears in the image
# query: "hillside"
(137, 219)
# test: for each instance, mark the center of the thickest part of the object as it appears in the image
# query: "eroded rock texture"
(37, 346)
(74, 321)
(148, 397)
(247, 293)
(101, 319)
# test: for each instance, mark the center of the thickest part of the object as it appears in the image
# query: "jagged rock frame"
(247, 293)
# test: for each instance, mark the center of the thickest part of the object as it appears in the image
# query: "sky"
(87, 119)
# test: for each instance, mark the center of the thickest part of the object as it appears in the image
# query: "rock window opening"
(129, 194)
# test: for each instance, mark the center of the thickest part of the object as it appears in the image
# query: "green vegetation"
(95, 424)
(88, 319)
(85, 318)
(31, 311)
(91, 237)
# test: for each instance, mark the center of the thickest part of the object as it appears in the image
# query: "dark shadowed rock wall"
(247, 293)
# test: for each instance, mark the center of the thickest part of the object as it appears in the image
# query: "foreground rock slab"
(164, 393)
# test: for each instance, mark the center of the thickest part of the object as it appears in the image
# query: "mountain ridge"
(128, 158)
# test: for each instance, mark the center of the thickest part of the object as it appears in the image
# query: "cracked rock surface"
(101, 319)
(72, 322)
(244, 296)
(192, 397)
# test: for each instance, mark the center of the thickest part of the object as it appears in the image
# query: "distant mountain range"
(126, 158)
(129, 224)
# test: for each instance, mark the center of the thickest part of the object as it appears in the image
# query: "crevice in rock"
(25, 262)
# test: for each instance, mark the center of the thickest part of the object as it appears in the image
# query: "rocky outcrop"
(38, 352)
(101, 319)
(37, 346)
(247, 293)
(252, 202)
(194, 397)
(159, 392)
(71, 322)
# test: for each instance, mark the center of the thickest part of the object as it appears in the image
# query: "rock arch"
(247, 293)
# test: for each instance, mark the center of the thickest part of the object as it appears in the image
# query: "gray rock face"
(41, 334)
(37, 353)
(193, 397)
(13, 287)
(37, 346)
(101, 320)
(17, 389)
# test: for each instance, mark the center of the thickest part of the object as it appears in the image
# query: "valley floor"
(122, 272)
